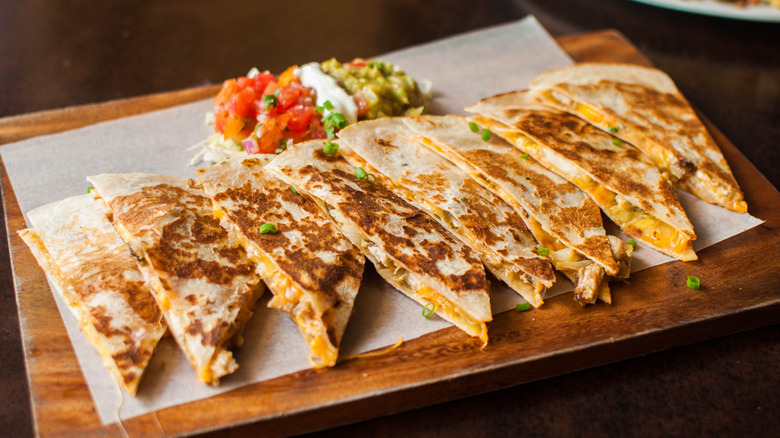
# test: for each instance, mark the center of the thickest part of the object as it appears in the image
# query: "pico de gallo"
(261, 113)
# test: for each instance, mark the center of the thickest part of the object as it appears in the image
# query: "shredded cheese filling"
(660, 155)
(632, 219)
(444, 307)
(523, 282)
(288, 297)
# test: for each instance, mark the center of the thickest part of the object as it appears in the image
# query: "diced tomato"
(241, 102)
(233, 126)
(288, 96)
(229, 88)
(300, 118)
(219, 121)
(271, 88)
(244, 82)
(270, 135)
(261, 81)
(288, 76)
(357, 63)
(360, 102)
(281, 120)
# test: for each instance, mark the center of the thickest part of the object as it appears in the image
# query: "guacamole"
(378, 88)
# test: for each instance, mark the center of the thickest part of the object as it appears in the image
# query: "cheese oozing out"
(523, 283)
(630, 218)
(290, 298)
(408, 282)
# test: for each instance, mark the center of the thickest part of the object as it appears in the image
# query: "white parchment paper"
(463, 69)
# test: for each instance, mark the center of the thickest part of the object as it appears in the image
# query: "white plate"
(720, 9)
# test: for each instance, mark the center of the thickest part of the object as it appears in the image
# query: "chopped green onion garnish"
(330, 148)
(333, 121)
(267, 228)
(319, 110)
(361, 173)
(524, 156)
(327, 105)
(612, 129)
(429, 309)
(632, 242)
(473, 126)
(543, 251)
(522, 307)
(90, 189)
(292, 189)
(283, 143)
(617, 142)
(486, 134)
(270, 100)
(694, 282)
(371, 178)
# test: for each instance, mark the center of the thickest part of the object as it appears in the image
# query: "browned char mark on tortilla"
(370, 205)
(177, 249)
(622, 168)
(313, 234)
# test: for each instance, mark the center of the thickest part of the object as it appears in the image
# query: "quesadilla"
(92, 269)
(561, 217)
(642, 106)
(407, 247)
(202, 279)
(621, 180)
(491, 227)
(313, 271)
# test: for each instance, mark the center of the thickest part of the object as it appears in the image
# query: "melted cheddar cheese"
(630, 218)
(660, 155)
(453, 312)
(290, 298)
(530, 288)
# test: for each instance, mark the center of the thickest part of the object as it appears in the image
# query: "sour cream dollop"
(328, 89)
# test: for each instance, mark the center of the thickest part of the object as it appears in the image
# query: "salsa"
(259, 111)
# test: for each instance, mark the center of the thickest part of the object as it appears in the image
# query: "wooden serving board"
(652, 312)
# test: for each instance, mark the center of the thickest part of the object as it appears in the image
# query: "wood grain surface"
(651, 312)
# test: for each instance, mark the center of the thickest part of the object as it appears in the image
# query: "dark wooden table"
(58, 54)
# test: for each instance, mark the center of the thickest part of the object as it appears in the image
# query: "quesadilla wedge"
(621, 180)
(92, 269)
(407, 247)
(312, 269)
(491, 227)
(202, 279)
(642, 106)
(561, 217)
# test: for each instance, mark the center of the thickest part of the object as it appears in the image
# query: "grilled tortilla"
(643, 107)
(202, 280)
(408, 248)
(92, 269)
(313, 271)
(561, 217)
(621, 180)
(491, 227)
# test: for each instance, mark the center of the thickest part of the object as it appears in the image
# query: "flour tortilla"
(407, 247)
(593, 160)
(92, 269)
(481, 219)
(202, 279)
(312, 269)
(643, 106)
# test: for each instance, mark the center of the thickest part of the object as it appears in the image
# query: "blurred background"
(56, 54)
